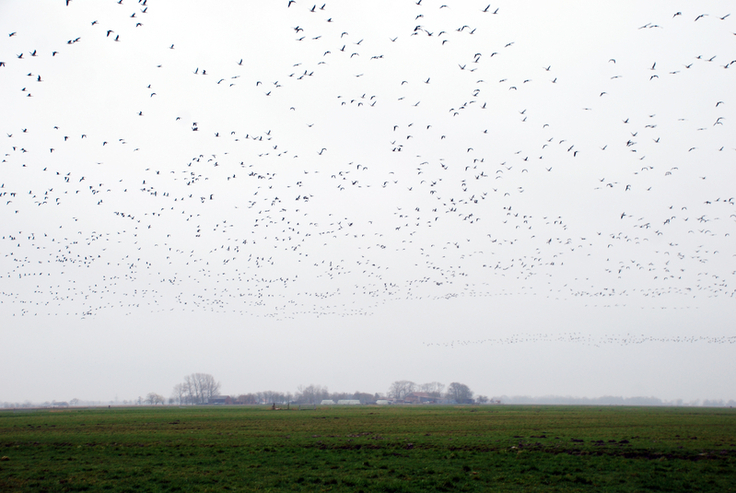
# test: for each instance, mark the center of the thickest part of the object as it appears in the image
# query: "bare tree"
(434, 389)
(178, 395)
(400, 389)
(198, 388)
(247, 399)
(153, 398)
(314, 394)
(460, 393)
(271, 396)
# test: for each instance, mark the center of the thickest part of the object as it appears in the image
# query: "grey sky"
(530, 198)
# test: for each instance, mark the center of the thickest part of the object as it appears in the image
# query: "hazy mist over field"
(531, 198)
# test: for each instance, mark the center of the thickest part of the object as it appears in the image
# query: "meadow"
(369, 448)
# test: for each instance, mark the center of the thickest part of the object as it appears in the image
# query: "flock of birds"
(346, 162)
(583, 339)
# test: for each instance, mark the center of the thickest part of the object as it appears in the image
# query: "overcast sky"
(530, 198)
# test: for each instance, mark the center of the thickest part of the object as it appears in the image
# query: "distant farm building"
(327, 402)
(420, 398)
(348, 402)
(220, 400)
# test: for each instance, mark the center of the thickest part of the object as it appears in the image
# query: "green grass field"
(428, 448)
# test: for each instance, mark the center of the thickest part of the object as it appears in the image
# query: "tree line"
(203, 388)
